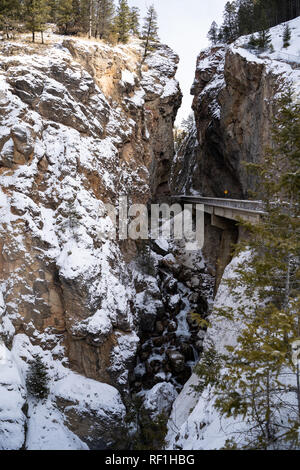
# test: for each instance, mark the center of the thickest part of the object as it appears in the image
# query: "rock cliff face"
(233, 106)
(82, 123)
(234, 95)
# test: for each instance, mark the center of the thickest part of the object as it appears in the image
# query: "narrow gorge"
(84, 123)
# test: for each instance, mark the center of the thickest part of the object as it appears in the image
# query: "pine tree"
(259, 375)
(245, 17)
(36, 16)
(64, 13)
(78, 16)
(230, 27)
(253, 41)
(264, 40)
(262, 25)
(104, 18)
(37, 379)
(134, 21)
(150, 30)
(10, 11)
(122, 21)
(208, 369)
(52, 11)
(213, 33)
(287, 34)
(221, 35)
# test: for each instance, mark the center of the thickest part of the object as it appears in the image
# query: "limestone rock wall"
(233, 105)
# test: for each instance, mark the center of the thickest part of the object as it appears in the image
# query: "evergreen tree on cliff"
(261, 381)
(84, 16)
(37, 379)
(78, 16)
(134, 21)
(122, 21)
(104, 18)
(287, 36)
(264, 40)
(150, 30)
(65, 16)
(264, 37)
(37, 13)
(229, 27)
(9, 13)
(245, 20)
(213, 33)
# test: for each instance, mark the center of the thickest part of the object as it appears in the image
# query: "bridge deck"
(227, 208)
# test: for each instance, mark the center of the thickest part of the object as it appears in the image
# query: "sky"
(183, 25)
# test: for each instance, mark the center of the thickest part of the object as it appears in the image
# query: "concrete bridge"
(223, 208)
(222, 230)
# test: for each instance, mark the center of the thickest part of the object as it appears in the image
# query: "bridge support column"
(220, 222)
(229, 237)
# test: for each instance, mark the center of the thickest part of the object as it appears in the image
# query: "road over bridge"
(222, 230)
(230, 209)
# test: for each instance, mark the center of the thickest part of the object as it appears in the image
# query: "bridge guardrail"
(245, 205)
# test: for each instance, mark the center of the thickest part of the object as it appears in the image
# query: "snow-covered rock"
(194, 423)
(160, 398)
(79, 126)
(13, 396)
(234, 90)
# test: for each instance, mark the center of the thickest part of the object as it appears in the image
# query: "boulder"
(160, 399)
(176, 361)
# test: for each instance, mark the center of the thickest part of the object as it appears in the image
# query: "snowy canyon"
(82, 123)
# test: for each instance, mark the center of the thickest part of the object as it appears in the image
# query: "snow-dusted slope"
(194, 423)
(280, 60)
(276, 36)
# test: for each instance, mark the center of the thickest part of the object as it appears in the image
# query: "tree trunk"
(268, 411)
(90, 20)
(298, 390)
